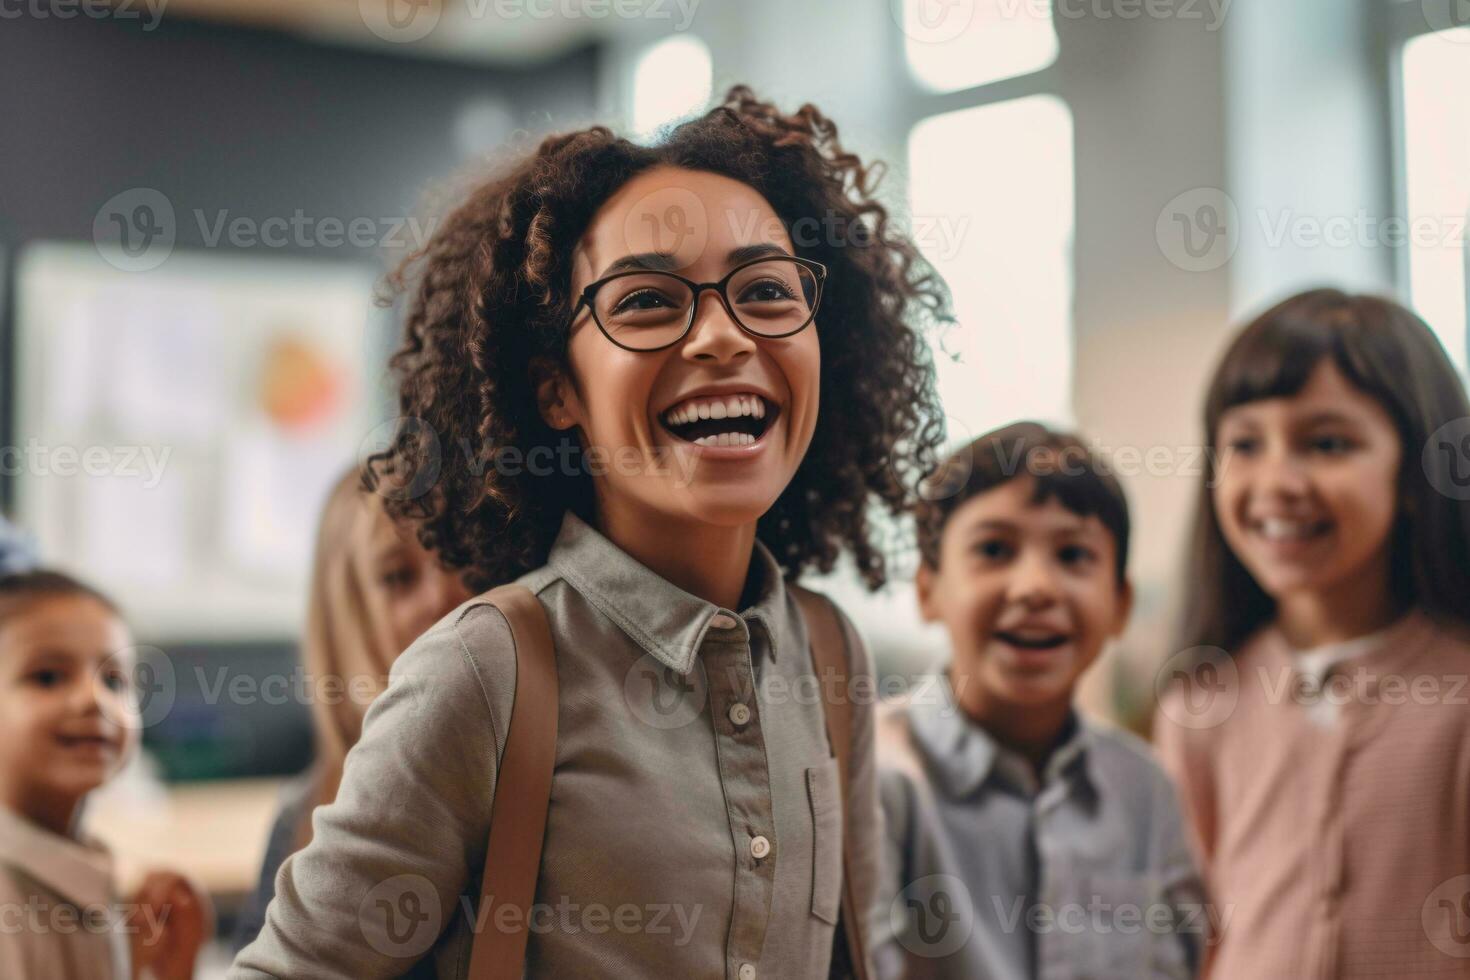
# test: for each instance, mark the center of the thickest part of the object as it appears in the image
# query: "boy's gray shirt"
(685, 838)
(1094, 856)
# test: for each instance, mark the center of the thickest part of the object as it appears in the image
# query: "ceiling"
(500, 32)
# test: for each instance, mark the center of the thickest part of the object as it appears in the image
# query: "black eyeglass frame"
(696, 288)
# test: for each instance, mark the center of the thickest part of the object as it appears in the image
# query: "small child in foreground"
(68, 724)
(1023, 840)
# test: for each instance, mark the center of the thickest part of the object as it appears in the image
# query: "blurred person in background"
(68, 724)
(374, 589)
(1324, 754)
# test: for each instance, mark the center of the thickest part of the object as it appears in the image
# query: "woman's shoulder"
(465, 660)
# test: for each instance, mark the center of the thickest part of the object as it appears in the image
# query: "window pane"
(955, 44)
(998, 227)
(1437, 157)
(672, 80)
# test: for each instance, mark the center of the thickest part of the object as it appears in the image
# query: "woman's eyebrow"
(759, 251)
(648, 261)
(666, 262)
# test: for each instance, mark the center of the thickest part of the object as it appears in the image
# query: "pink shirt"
(1335, 844)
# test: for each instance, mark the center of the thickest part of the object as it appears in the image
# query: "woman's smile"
(727, 422)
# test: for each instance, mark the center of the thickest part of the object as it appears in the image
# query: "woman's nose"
(715, 335)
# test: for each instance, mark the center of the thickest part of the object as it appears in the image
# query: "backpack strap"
(522, 789)
(832, 659)
(523, 785)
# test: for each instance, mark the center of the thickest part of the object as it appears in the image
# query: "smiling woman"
(612, 301)
(505, 281)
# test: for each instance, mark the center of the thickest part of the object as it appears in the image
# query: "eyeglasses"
(648, 311)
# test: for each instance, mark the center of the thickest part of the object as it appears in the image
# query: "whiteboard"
(177, 429)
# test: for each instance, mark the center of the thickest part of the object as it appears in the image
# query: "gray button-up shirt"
(992, 872)
(695, 827)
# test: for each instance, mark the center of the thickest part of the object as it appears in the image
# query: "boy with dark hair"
(1025, 841)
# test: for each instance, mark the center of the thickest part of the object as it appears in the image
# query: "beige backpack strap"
(831, 659)
(522, 790)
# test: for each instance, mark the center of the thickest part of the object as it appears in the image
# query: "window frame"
(1405, 21)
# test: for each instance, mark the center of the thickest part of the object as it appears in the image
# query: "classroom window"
(959, 44)
(998, 227)
(1437, 181)
(673, 79)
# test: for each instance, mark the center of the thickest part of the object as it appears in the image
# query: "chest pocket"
(825, 792)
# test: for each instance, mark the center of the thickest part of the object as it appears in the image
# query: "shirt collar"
(1404, 636)
(660, 617)
(79, 871)
(964, 755)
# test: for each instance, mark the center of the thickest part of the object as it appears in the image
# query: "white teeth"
(731, 407)
(1279, 529)
(726, 439)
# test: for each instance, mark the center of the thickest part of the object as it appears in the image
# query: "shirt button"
(739, 714)
(759, 847)
(722, 622)
(747, 971)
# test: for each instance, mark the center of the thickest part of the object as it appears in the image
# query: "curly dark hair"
(491, 292)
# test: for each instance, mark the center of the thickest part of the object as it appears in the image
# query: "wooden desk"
(215, 832)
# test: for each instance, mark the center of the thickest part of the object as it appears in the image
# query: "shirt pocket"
(825, 792)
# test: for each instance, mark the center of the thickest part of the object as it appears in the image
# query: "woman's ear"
(556, 399)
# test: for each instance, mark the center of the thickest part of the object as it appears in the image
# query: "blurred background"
(198, 199)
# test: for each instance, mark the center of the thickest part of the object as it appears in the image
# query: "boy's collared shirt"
(58, 914)
(993, 872)
(695, 827)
